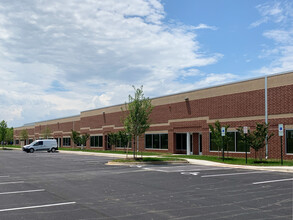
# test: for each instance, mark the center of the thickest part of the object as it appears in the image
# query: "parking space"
(69, 186)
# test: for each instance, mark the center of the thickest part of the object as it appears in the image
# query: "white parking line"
(272, 181)
(26, 191)
(232, 174)
(4, 176)
(4, 183)
(37, 206)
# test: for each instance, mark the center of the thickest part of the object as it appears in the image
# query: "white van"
(49, 145)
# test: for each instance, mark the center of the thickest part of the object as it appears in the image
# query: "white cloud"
(204, 26)
(281, 53)
(275, 12)
(58, 58)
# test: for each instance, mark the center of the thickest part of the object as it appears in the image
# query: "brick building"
(179, 122)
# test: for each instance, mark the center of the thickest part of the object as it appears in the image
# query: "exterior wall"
(237, 104)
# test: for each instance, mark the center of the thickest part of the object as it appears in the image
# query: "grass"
(10, 146)
(115, 152)
(236, 160)
(148, 159)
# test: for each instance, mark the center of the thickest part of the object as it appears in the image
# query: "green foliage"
(121, 138)
(9, 136)
(257, 139)
(138, 112)
(24, 135)
(84, 138)
(124, 138)
(217, 138)
(79, 139)
(113, 139)
(75, 136)
(3, 130)
(46, 133)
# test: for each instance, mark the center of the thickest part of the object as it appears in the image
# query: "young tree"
(113, 139)
(257, 139)
(84, 138)
(221, 142)
(9, 135)
(75, 136)
(3, 131)
(46, 133)
(124, 139)
(24, 135)
(138, 112)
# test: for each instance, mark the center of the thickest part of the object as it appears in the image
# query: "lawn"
(10, 146)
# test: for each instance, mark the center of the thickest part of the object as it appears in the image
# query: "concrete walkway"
(194, 161)
(268, 168)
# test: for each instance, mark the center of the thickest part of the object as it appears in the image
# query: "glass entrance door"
(200, 144)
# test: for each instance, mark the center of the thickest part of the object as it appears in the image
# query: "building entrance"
(184, 143)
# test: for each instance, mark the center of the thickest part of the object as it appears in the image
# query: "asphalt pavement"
(80, 186)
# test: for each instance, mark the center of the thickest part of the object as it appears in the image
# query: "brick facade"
(236, 104)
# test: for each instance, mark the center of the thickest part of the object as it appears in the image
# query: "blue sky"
(58, 58)
(236, 34)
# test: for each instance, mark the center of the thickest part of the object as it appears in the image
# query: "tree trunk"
(134, 147)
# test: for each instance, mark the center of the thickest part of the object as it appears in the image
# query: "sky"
(61, 57)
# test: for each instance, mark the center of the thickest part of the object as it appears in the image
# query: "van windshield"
(34, 142)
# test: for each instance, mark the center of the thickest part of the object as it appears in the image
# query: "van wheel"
(53, 150)
(32, 150)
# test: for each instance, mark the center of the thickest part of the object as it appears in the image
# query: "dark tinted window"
(156, 141)
(289, 141)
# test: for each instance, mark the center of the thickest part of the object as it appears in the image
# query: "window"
(66, 142)
(97, 141)
(16, 141)
(30, 141)
(156, 141)
(181, 141)
(289, 141)
(236, 145)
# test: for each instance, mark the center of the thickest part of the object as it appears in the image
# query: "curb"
(93, 154)
(145, 163)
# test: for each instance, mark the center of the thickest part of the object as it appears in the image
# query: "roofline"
(195, 90)
(209, 87)
(34, 123)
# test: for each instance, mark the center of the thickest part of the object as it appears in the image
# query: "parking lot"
(69, 186)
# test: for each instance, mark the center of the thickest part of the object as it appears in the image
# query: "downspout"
(266, 111)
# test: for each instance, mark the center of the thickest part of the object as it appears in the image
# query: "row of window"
(96, 141)
(236, 145)
(160, 141)
(156, 141)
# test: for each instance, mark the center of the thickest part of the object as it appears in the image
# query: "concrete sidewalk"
(194, 161)
(268, 168)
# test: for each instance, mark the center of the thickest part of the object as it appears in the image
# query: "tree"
(138, 111)
(221, 142)
(46, 133)
(9, 136)
(120, 138)
(113, 139)
(79, 139)
(124, 139)
(3, 131)
(24, 135)
(84, 138)
(257, 139)
(75, 136)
